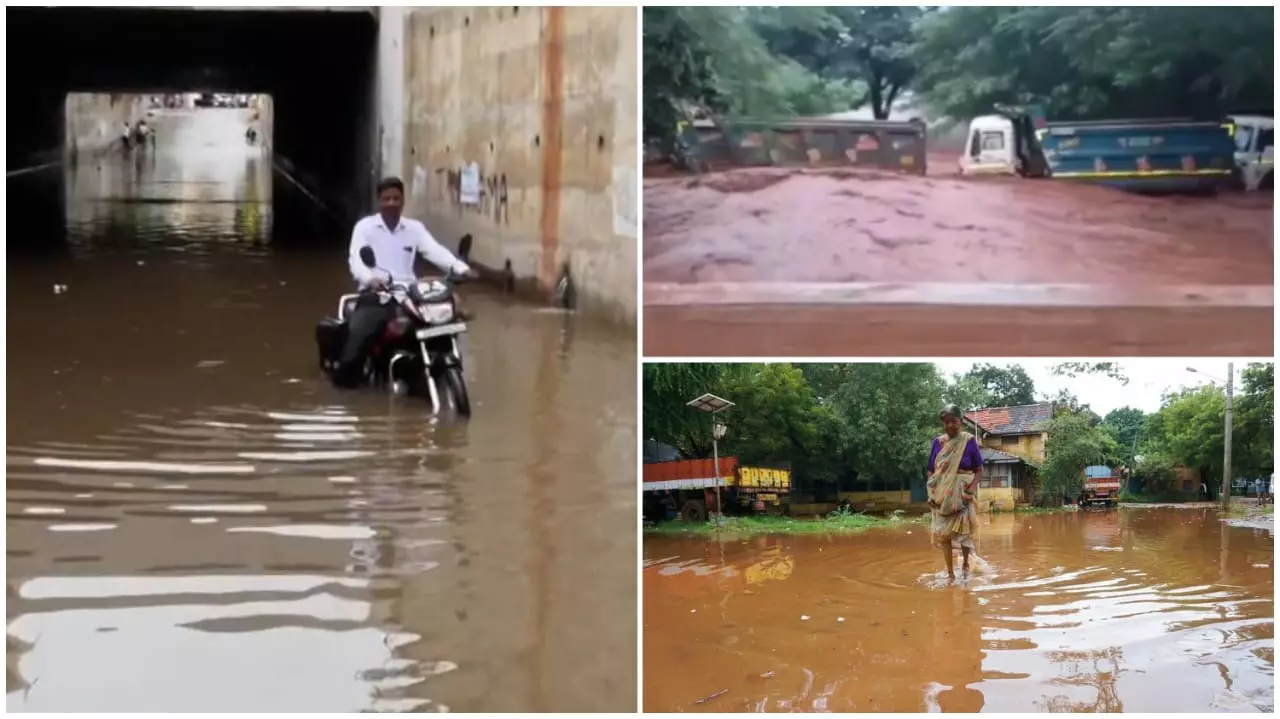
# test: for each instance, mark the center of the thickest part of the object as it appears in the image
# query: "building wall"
(892, 498)
(543, 100)
(1028, 446)
(94, 121)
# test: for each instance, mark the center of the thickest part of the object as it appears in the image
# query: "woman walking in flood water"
(955, 467)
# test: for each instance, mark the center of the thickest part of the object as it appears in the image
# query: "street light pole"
(713, 406)
(717, 430)
(1226, 443)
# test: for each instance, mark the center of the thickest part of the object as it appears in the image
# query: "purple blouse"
(969, 461)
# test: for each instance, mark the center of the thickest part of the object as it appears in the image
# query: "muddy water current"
(1147, 610)
(198, 521)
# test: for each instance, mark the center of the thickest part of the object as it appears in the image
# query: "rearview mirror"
(368, 258)
(464, 248)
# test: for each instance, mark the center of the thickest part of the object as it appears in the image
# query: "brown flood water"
(773, 224)
(197, 521)
(1135, 610)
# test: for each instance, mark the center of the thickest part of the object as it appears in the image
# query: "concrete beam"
(371, 9)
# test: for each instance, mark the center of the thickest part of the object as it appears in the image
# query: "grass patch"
(1243, 509)
(1031, 509)
(834, 523)
(1166, 498)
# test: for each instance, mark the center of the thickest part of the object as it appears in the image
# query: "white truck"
(1255, 138)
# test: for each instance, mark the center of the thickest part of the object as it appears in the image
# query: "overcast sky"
(1149, 379)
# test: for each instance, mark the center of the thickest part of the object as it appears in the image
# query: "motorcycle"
(417, 353)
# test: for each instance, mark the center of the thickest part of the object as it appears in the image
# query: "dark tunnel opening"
(316, 65)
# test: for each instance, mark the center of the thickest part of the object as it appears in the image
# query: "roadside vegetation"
(836, 424)
(838, 522)
(956, 62)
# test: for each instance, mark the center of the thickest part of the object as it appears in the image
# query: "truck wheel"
(694, 511)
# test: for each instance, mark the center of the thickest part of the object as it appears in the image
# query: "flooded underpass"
(1070, 269)
(197, 521)
(1135, 610)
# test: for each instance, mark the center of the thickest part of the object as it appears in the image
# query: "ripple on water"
(1055, 627)
(282, 468)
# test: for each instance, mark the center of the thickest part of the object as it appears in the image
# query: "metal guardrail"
(883, 145)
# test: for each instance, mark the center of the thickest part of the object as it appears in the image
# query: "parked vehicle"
(686, 489)
(706, 142)
(1254, 137)
(1101, 487)
(418, 352)
(1149, 155)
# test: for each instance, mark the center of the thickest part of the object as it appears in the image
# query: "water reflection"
(1091, 611)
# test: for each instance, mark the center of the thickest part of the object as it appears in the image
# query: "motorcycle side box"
(331, 335)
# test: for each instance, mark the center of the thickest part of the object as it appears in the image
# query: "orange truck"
(1101, 487)
(686, 489)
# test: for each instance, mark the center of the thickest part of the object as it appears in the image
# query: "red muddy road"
(961, 242)
(839, 226)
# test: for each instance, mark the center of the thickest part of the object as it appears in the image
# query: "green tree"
(1006, 386)
(1096, 62)
(1125, 427)
(1076, 369)
(870, 43)
(1189, 430)
(890, 411)
(1253, 436)
(677, 69)
(967, 393)
(667, 417)
(777, 419)
(1075, 442)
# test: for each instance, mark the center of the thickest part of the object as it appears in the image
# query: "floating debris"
(709, 697)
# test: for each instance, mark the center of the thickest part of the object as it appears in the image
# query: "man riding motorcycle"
(396, 242)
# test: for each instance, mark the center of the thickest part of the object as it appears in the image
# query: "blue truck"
(1168, 155)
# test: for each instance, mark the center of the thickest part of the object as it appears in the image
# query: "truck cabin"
(990, 148)
(1254, 137)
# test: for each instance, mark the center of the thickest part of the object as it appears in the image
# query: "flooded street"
(1134, 610)
(197, 521)
(775, 224)
(1069, 269)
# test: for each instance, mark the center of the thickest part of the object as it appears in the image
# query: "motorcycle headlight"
(437, 312)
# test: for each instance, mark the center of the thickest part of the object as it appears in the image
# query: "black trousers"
(365, 323)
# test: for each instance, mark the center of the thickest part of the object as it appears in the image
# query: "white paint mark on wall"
(624, 201)
(418, 189)
(469, 184)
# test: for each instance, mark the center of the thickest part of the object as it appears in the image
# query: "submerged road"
(1091, 611)
(772, 261)
(197, 521)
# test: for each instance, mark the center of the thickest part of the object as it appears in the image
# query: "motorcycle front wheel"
(451, 380)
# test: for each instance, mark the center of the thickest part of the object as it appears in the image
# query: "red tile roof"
(1023, 419)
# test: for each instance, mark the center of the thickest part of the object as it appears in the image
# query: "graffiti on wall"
(493, 198)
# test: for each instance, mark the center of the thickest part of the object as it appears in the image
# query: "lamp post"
(1226, 433)
(714, 405)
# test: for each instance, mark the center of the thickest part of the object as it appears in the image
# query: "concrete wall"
(543, 100)
(94, 121)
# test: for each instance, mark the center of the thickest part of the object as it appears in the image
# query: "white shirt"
(395, 249)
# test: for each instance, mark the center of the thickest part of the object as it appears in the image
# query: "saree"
(953, 521)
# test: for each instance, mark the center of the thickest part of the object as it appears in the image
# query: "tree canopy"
(959, 61)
